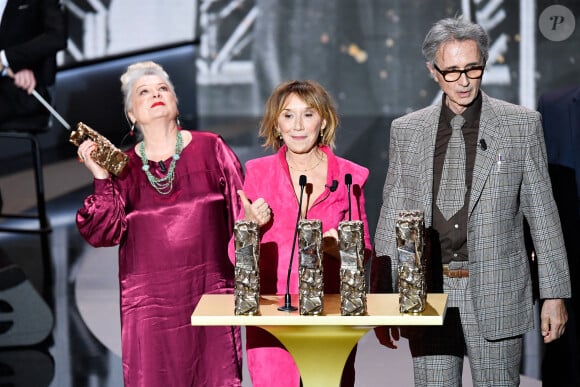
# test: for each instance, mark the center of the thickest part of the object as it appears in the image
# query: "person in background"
(560, 110)
(31, 34)
(299, 124)
(476, 166)
(171, 211)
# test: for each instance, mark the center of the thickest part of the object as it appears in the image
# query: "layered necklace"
(163, 185)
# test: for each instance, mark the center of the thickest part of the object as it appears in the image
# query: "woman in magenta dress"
(171, 211)
(300, 125)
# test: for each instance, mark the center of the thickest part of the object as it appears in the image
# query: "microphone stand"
(287, 297)
(348, 182)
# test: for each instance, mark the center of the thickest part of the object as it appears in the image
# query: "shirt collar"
(471, 114)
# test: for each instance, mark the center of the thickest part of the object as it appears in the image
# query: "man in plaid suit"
(476, 255)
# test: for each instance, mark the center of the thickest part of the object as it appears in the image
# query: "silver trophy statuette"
(311, 278)
(351, 243)
(411, 263)
(247, 271)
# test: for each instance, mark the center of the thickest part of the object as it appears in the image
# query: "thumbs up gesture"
(258, 211)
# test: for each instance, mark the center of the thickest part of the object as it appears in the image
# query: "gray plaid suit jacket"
(510, 182)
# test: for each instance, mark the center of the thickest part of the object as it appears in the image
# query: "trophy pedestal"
(319, 344)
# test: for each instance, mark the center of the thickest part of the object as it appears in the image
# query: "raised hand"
(258, 211)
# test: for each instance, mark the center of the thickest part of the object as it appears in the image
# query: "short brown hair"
(315, 97)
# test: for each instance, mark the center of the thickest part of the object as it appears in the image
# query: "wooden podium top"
(382, 309)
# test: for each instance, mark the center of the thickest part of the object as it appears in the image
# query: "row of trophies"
(411, 266)
(310, 269)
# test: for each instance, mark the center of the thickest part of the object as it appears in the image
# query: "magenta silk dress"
(269, 178)
(172, 250)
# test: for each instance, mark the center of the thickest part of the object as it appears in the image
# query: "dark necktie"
(452, 188)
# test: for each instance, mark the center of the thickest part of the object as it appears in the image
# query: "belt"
(455, 273)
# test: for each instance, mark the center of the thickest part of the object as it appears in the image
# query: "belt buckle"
(455, 271)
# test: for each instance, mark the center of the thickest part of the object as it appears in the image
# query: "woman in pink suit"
(300, 124)
(171, 211)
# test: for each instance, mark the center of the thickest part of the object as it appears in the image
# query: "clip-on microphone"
(287, 297)
(348, 182)
(332, 187)
(483, 144)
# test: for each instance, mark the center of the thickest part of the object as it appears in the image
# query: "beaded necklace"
(163, 185)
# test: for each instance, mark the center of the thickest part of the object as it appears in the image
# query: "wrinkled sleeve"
(233, 181)
(541, 212)
(102, 220)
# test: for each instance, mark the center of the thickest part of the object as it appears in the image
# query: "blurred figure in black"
(31, 33)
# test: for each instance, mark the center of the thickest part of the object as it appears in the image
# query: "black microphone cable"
(287, 297)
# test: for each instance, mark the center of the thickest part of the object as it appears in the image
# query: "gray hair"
(136, 71)
(450, 29)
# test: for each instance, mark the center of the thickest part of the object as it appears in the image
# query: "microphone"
(287, 297)
(332, 187)
(348, 182)
(483, 144)
(162, 166)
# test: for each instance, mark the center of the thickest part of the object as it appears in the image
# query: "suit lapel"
(431, 122)
(489, 132)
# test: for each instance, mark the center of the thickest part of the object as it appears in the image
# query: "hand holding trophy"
(105, 153)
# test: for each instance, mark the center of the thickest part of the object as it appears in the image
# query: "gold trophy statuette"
(351, 243)
(105, 154)
(411, 262)
(247, 270)
(310, 271)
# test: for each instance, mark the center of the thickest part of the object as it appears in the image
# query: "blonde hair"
(310, 92)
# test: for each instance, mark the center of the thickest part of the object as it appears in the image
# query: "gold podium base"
(320, 365)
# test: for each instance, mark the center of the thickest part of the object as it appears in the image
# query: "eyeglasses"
(473, 72)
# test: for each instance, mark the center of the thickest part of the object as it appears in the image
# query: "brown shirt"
(453, 233)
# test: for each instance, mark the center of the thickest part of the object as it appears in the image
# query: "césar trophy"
(247, 270)
(310, 271)
(351, 243)
(410, 229)
(105, 153)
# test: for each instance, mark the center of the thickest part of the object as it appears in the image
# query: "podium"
(320, 345)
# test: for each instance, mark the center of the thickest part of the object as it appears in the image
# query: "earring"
(177, 121)
(132, 130)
